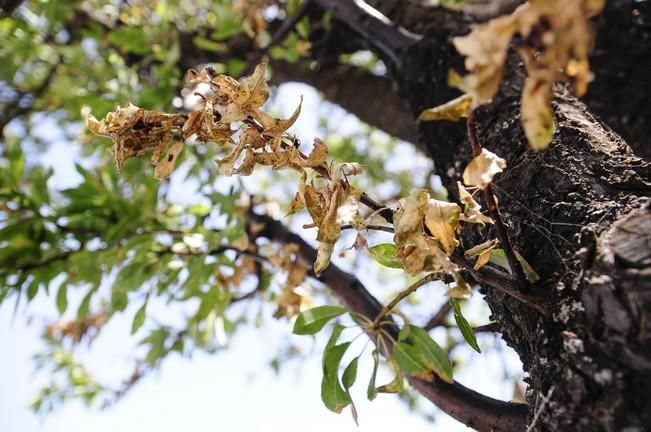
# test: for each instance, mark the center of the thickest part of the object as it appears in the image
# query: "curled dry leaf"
(461, 290)
(453, 110)
(554, 41)
(419, 251)
(166, 165)
(135, 130)
(293, 299)
(481, 170)
(471, 208)
(537, 114)
(482, 252)
(323, 257)
(442, 221)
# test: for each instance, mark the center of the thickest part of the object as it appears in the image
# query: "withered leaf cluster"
(554, 40)
(426, 233)
(77, 329)
(231, 116)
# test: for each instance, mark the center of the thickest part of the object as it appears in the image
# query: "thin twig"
(501, 281)
(493, 209)
(439, 316)
(384, 228)
(380, 209)
(488, 275)
(402, 294)
(487, 328)
(540, 408)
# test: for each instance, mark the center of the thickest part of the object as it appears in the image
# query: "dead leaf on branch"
(165, 167)
(442, 221)
(554, 41)
(453, 110)
(481, 169)
(537, 114)
(471, 208)
(293, 298)
(482, 252)
(135, 130)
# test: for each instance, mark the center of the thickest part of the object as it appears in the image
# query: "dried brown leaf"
(471, 208)
(537, 114)
(442, 220)
(166, 165)
(453, 110)
(481, 170)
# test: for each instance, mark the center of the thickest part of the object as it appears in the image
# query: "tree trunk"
(580, 214)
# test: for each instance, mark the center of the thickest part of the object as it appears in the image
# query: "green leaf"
(130, 39)
(371, 391)
(200, 209)
(404, 333)
(334, 397)
(208, 44)
(312, 321)
(132, 276)
(84, 306)
(32, 288)
(498, 257)
(139, 318)
(409, 360)
(119, 300)
(40, 194)
(348, 379)
(466, 330)
(528, 270)
(431, 353)
(334, 337)
(303, 28)
(350, 374)
(385, 254)
(420, 356)
(62, 298)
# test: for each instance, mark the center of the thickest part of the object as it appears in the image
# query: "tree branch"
(370, 97)
(388, 39)
(439, 316)
(467, 406)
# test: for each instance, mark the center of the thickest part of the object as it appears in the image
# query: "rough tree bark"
(580, 213)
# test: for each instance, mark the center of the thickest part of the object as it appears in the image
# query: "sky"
(234, 390)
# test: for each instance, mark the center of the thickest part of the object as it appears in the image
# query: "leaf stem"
(402, 294)
(380, 209)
